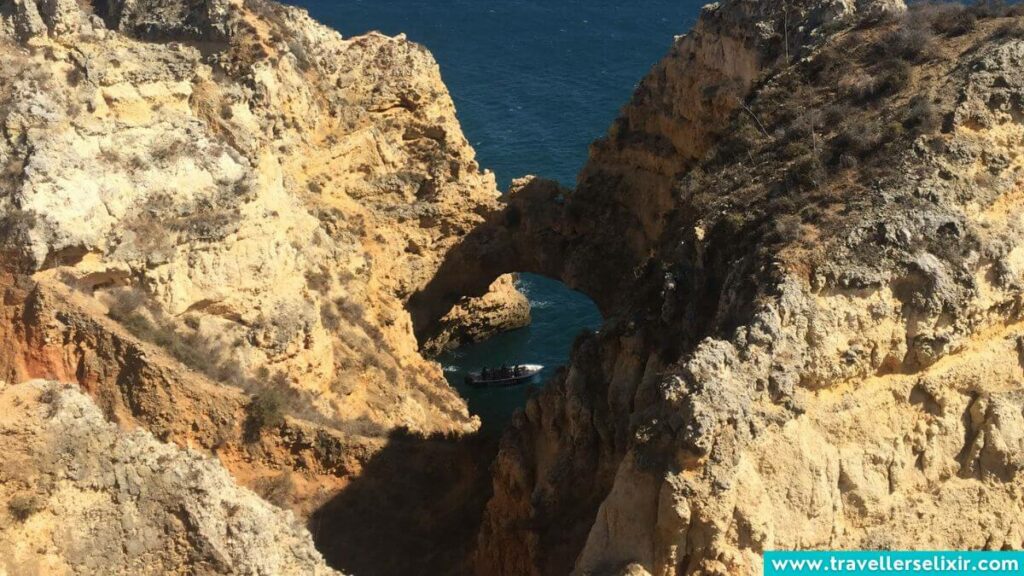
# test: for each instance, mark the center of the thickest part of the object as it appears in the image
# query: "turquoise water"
(534, 83)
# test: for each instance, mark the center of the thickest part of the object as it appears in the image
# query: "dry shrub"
(806, 173)
(956, 19)
(890, 77)
(837, 114)
(796, 150)
(1013, 30)
(826, 64)
(956, 23)
(922, 116)
(940, 17)
(273, 396)
(265, 410)
(329, 317)
(909, 43)
(188, 347)
(278, 490)
(857, 140)
(53, 397)
(785, 229)
(16, 230)
(318, 281)
(24, 506)
(737, 144)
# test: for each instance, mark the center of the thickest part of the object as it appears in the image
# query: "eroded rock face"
(84, 497)
(212, 216)
(814, 341)
(237, 177)
(51, 329)
(474, 319)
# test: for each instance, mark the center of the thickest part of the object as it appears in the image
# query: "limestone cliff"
(51, 329)
(83, 497)
(212, 215)
(229, 225)
(246, 188)
(814, 320)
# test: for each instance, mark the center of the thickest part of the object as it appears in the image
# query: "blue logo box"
(892, 563)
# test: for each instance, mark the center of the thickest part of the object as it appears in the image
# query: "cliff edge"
(241, 184)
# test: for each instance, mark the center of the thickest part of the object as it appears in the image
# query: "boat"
(503, 377)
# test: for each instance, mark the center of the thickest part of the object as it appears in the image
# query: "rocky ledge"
(84, 497)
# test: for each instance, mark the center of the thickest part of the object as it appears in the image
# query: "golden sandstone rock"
(239, 177)
(818, 341)
(804, 232)
(84, 497)
(213, 215)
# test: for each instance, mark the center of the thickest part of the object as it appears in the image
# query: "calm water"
(534, 82)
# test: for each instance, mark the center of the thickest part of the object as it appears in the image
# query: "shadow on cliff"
(415, 509)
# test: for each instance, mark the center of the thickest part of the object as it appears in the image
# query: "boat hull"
(530, 372)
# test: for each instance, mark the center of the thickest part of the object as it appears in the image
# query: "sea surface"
(534, 83)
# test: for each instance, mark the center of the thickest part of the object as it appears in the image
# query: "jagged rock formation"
(84, 497)
(805, 232)
(233, 179)
(212, 215)
(51, 329)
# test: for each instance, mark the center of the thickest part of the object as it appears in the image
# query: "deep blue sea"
(534, 83)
